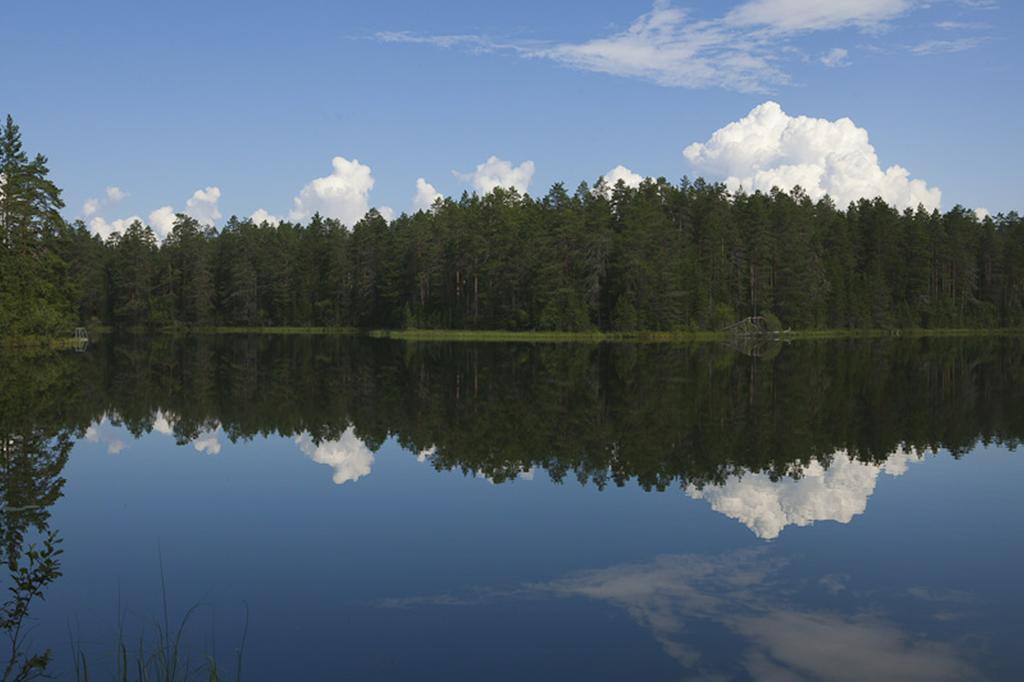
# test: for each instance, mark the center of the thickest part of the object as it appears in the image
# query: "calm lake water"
(828, 510)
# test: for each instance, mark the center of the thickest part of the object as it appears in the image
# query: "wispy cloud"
(961, 25)
(836, 57)
(476, 43)
(814, 15)
(743, 50)
(955, 45)
(980, 4)
(663, 46)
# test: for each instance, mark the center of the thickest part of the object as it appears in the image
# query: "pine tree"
(30, 299)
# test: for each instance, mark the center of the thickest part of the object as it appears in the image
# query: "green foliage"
(723, 317)
(34, 448)
(772, 321)
(29, 579)
(655, 258)
(659, 257)
(624, 317)
(31, 272)
(564, 312)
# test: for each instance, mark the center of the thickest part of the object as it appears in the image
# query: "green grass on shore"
(540, 336)
(671, 337)
(593, 336)
(37, 342)
(347, 331)
(470, 335)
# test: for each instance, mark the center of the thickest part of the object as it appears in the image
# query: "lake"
(337, 507)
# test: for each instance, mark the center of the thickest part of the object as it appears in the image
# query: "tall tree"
(30, 299)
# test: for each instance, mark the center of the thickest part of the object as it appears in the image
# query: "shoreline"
(498, 336)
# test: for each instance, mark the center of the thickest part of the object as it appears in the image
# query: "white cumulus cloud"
(426, 195)
(104, 229)
(115, 194)
(495, 172)
(348, 456)
(620, 172)
(344, 194)
(981, 214)
(162, 221)
(261, 215)
(93, 205)
(768, 148)
(203, 205)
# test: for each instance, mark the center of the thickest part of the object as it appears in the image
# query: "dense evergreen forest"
(663, 256)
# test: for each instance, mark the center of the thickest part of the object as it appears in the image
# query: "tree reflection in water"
(34, 449)
(793, 436)
(661, 415)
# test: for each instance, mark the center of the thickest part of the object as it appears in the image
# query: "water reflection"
(796, 436)
(348, 456)
(111, 432)
(836, 488)
(700, 417)
(789, 438)
(752, 600)
(832, 488)
(34, 450)
(102, 431)
(746, 593)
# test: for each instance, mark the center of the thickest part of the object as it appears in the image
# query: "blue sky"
(256, 99)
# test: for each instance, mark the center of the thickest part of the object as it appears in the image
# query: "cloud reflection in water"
(348, 455)
(837, 492)
(751, 595)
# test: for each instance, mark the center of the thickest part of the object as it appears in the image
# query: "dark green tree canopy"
(658, 257)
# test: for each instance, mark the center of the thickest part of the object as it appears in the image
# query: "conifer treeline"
(659, 257)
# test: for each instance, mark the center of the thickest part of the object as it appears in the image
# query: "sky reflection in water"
(437, 550)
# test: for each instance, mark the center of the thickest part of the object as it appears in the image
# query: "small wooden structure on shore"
(752, 336)
(81, 339)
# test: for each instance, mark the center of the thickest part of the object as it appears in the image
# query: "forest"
(658, 257)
